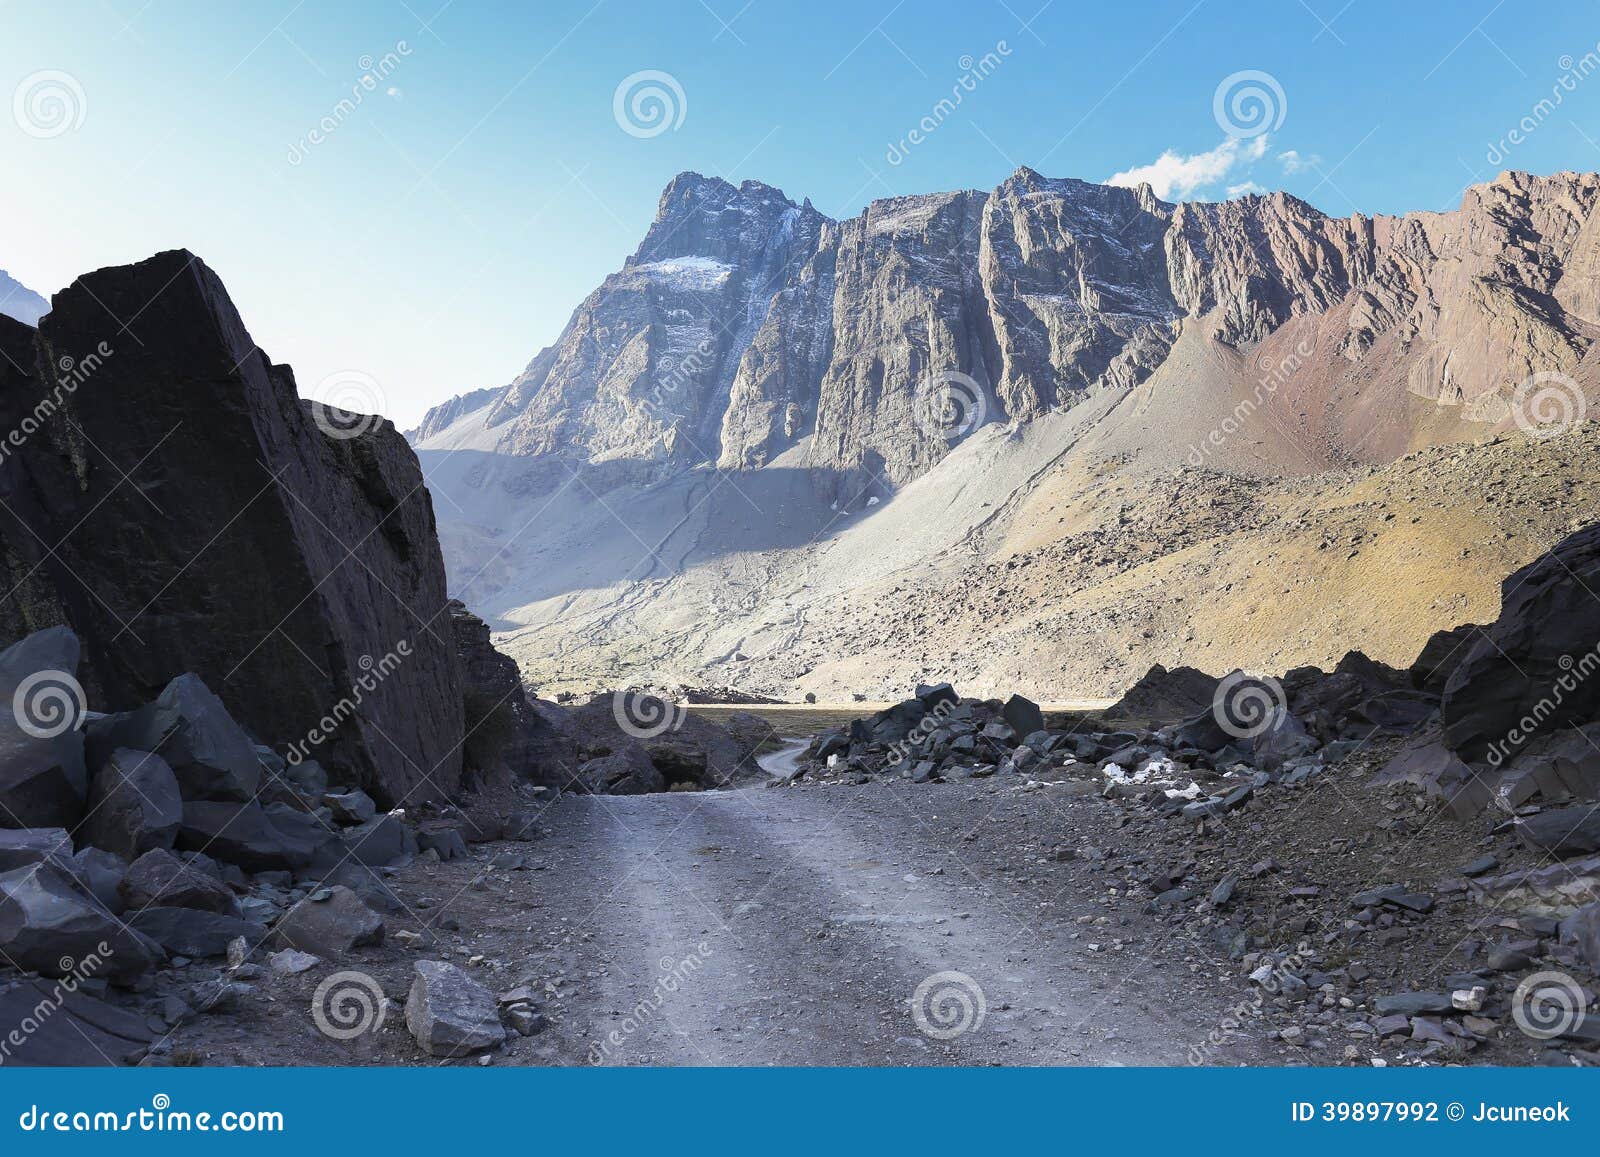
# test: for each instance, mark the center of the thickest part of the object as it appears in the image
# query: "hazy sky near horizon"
(434, 226)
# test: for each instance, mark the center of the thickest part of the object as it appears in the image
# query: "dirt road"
(754, 927)
(790, 927)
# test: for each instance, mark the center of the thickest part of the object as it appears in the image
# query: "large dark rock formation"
(185, 511)
(1535, 669)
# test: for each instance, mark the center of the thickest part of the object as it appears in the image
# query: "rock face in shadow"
(504, 729)
(1533, 669)
(202, 518)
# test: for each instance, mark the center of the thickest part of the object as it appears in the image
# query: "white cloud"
(1244, 189)
(1175, 175)
(1294, 163)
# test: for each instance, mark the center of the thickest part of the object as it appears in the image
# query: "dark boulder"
(101, 872)
(625, 772)
(1023, 715)
(330, 922)
(50, 925)
(891, 725)
(1531, 672)
(449, 1013)
(342, 637)
(933, 695)
(251, 836)
(134, 804)
(351, 807)
(1398, 712)
(81, 1031)
(381, 842)
(683, 747)
(1203, 732)
(1286, 739)
(445, 842)
(1563, 832)
(43, 781)
(189, 727)
(20, 847)
(160, 878)
(33, 603)
(1440, 656)
(193, 931)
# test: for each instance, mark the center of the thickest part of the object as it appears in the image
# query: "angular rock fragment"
(245, 834)
(159, 878)
(102, 873)
(43, 782)
(81, 1031)
(1563, 832)
(354, 807)
(1023, 715)
(193, 931)
(380, 842)
(20, 847)
(134, 804)
(330, 922)
(49, 925)
(626, 772)
(298, 565)
(449, 1013)
(188, 726)
(1521, 668)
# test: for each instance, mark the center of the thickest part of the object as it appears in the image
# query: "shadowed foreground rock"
(1537, 661)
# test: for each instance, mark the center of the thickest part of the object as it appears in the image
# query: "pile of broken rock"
(156, 852)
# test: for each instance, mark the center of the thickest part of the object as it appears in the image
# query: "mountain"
(768, 422)
(19, 302)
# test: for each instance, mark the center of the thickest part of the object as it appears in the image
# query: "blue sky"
(444, 227)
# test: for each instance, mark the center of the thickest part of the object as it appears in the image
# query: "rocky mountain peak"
(19, 302)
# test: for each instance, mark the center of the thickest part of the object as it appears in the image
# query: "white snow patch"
(689, 271)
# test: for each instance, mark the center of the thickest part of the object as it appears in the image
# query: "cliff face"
(182, 509)
(746, 326)
(646, 366)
